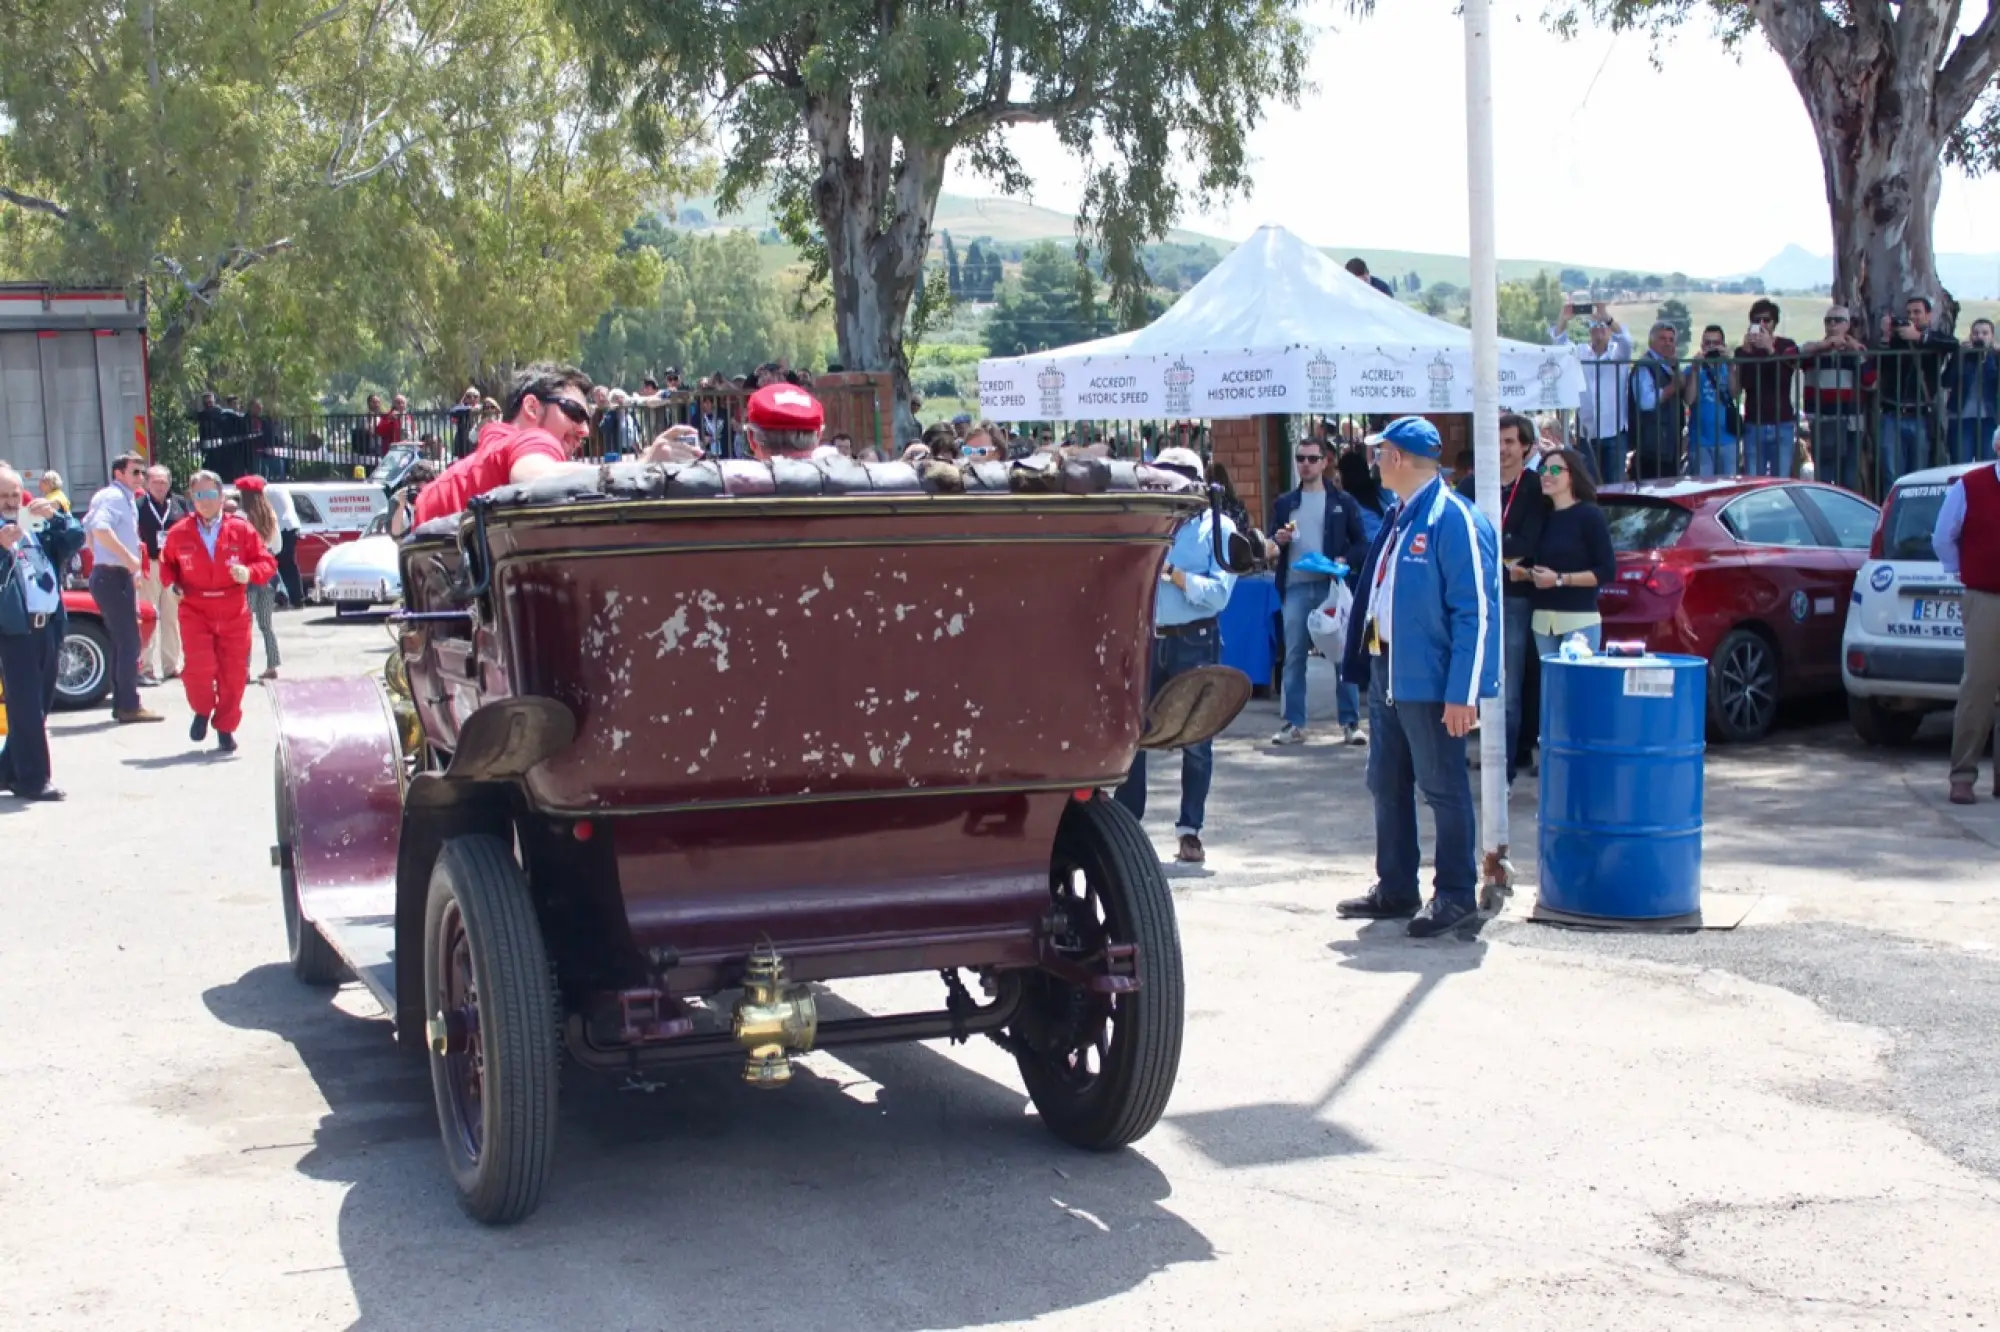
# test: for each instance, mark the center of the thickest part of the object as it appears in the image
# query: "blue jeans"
(1410, 751)
(1171, 657)
(1547, 645)
(1515, 615)
(1302, 598)
(1714, 458)
(1608, 454)
(1768, 449)
(1973, 438)
(1905, 447)
(1837, 451)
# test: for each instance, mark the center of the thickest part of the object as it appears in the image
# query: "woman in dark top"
(1572, 559)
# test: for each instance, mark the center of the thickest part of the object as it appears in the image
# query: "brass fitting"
(773, 1020)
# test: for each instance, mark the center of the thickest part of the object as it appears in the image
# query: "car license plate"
(1927, 609)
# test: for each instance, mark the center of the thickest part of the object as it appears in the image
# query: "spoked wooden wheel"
(492, 1029)
(1100, 1067)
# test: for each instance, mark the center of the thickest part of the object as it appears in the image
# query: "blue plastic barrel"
(1621, 783)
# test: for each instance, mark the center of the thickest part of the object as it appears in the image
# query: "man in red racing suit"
(210, 557)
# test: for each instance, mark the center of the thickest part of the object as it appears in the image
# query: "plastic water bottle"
(1576, 647)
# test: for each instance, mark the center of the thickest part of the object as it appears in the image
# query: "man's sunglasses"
(575, 411)
(1835, 319)
(1308, 457)
(208, 494)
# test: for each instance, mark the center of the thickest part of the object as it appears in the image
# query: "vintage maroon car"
(83, 671)
(687, 739)
(1753, 574)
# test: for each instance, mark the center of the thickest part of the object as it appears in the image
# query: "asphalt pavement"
(1790, 1125)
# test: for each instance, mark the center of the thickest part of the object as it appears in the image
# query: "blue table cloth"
(1250, 630)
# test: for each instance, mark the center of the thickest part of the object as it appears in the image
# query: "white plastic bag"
(1328, 624)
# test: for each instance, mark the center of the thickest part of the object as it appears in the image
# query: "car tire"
(1743, 680)
(494, 1071)
(83, 666)
(1880, 726)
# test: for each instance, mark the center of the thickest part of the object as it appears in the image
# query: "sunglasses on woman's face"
(1553, 469)
(575, 411)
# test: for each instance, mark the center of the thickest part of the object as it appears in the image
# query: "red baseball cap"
(253, 484)
(785, 407)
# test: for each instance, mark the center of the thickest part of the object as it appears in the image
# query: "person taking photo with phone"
(1602, 412)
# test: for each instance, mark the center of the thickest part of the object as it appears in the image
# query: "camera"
(1899, 322)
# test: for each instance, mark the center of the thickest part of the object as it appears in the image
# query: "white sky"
(1595, 150)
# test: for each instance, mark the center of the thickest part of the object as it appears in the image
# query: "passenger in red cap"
(783, 421)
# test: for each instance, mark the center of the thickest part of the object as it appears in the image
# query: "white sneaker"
(1354, 735)
(1289, 735)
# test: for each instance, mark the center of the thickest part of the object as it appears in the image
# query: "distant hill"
(1970, 277)
(1015, 222)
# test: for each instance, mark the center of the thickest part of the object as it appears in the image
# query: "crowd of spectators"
(1847, 407)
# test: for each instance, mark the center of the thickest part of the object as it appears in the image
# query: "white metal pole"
(1485, 386)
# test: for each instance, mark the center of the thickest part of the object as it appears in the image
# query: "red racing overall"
(215, 613)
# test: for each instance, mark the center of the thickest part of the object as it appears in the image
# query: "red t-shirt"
(388, 430)
(486, 468)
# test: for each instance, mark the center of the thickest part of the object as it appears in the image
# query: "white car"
(358, 574)
(1903, 649)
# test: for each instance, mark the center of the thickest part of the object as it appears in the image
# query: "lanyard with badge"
(160, 516)
(1374, 645)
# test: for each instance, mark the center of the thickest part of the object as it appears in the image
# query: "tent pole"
(1496, 873)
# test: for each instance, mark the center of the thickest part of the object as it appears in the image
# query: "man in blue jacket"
(36, 540)
(1425, 638)
(1316, 518)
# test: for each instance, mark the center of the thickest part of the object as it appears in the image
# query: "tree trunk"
(1871, 95)
(875, 212)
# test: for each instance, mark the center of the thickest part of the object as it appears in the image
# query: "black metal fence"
(1855, 418)
(343, 446)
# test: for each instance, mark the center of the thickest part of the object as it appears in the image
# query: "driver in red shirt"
(547, 414)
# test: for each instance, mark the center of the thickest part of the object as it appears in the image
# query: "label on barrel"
(1649, 682)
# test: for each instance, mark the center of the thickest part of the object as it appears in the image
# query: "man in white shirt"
(289, 579)
(112, 527)
(1601, 420)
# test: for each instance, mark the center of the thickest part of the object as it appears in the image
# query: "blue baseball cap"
(1412, 434)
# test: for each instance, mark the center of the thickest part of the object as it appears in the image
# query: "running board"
(367, 944)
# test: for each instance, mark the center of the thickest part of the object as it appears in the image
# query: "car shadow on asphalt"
(81, 728)
(902, 1191)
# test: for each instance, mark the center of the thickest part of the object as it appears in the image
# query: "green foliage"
(851, 110)
(1675, 312)
(302, 184)
(1526, 309)
(1051, 304)
(1573, 279)
(712, 309)
(1440, 297)
(932, 308)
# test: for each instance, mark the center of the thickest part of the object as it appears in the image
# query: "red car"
(83, 671)
(1754, 575)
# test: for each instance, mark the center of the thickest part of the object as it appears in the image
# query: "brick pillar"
(861, 403)
(1454, 433)
(1237, 445)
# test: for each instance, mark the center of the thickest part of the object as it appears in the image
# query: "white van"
(1903, 649)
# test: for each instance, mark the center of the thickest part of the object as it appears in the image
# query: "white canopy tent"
(1276, 327)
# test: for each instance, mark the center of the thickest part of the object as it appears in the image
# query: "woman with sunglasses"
(1572, 559)
(211, 557)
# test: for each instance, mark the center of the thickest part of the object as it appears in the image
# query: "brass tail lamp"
(773, 1020)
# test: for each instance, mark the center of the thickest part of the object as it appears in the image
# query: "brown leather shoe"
(1190, 852)
(1961, 793)
(136, 715)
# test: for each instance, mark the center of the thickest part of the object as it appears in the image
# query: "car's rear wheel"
(1877, 725)
(1742, 686)
(1100, 1066)
(83, 665)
